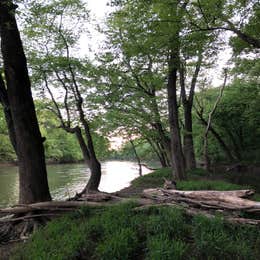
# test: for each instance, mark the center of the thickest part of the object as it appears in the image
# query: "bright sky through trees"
(92, 42)
(98, 7)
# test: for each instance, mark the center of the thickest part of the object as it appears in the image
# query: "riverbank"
(48, 162)
(121, 232)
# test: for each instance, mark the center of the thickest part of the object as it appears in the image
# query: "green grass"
(154, 179)
(207, 185)
(120, 232)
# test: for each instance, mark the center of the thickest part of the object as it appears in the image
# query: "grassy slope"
(119, 232)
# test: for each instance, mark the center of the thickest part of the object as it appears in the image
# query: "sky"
(98, 7)
(98, 10)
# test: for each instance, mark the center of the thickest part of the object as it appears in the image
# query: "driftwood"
(225, 200)
(230, 203)
(92, 199)
(19, 221)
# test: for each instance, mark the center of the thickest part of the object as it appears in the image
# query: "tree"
(237, 119)
(54, 67)
(29, 143)
(154, 36)
(130, 87)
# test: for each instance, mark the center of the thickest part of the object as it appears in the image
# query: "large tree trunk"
(30, 152)
(176, 147)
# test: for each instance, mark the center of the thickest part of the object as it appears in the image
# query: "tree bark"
(30, 151)
(178, 162)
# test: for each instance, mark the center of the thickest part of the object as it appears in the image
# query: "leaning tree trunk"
(30, 151)
(159, 152)
(221, 142)
(95, 177)
(92, 162)
(209, 122)
(176, 147)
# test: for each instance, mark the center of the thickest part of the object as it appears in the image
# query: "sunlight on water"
(117, 175)
(67, 179)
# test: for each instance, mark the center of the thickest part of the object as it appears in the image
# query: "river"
(67, 179)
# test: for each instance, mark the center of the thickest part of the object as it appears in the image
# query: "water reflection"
(67, 179)
(9, 185)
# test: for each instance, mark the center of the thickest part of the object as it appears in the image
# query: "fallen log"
(96, 197)
(24, 219)
(225, 200)
(49, 206)
(63, 206)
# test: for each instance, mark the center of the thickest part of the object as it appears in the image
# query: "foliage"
(143, 150)
(236, 120)
(59, 146)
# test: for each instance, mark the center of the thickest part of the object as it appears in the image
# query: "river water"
(67, 179)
